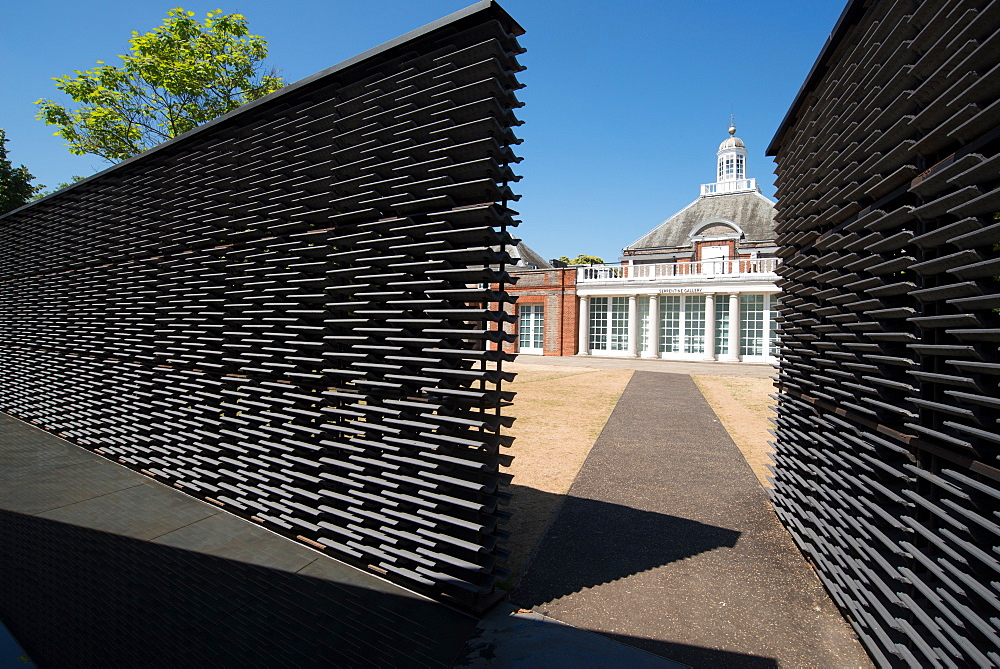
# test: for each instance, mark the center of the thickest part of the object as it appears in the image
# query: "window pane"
(721, 324)
(619, 323)
(599, 323)
(694, 324)
(538, 327)
(530, 326)
(751, 325)
(772, 326)
(524, 328)
(643, 304)
(670, 324)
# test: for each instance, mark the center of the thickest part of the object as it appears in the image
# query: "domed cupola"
(731, 168)
(732, 158)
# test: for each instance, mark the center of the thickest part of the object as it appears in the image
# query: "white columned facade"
(653, 331)
(633, 326)
(686, 268)
(709, 326)
(734, 329)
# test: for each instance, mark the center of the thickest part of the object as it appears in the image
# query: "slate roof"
(524, 255)
(752, 212)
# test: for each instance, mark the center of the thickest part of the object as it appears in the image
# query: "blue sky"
(626, 102)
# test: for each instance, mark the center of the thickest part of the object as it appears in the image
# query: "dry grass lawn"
(743, 406)
(560, 413)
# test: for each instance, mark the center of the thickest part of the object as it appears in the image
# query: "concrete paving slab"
(666, 542)
(143, 511)
(42, 490)
(23, 455)
(109, 568)
(232, 538)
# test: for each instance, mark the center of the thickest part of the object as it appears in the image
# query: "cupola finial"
(732, 125)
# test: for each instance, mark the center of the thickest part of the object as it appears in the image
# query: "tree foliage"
(15, 182)
(182, 74)
(582, 260)
(45, 191)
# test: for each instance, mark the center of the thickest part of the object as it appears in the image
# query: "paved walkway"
(760, 371)
(667, 542)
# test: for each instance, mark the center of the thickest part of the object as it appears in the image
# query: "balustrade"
(735, 186)
(737, 268)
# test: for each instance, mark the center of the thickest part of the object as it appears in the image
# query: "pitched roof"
(524, 255)
(752, 212)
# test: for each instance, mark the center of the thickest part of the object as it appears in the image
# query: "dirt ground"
(560, 413)
(743, 406)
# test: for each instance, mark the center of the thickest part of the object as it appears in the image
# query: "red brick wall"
(698, 246)
(556, 290)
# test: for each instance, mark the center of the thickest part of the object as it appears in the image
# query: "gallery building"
(699, 286)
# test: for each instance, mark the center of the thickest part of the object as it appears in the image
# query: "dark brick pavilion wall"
(282, 312)
(887, 428)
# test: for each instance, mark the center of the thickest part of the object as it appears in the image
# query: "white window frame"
(767, 328)
(531, 329)
(683, 351)
(608, 317)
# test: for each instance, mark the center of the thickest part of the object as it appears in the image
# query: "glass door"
(531, 329)
(608, 332)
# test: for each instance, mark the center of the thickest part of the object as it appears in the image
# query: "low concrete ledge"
(103, 566)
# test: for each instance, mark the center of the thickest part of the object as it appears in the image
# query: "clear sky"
(625, 105)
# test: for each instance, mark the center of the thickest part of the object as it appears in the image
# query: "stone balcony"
(756, 269)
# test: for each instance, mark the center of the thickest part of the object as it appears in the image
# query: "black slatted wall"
(887, 443)
(283, 312)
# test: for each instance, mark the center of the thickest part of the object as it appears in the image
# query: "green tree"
(15, 182)
(182, 74)
(582, 260)
(65, 184)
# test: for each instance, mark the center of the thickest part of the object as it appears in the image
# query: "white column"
(734, 329)
(653, 331)
(584, 333)
(770, 303)
(633, 326)
(709, 326)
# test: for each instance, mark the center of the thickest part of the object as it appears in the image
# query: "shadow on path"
(100, 566)
(597, 542)
(697, 657)
(77, 596)
(667, 542)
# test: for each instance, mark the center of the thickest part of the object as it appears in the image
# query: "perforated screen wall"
(887, 433)
(283, 312)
